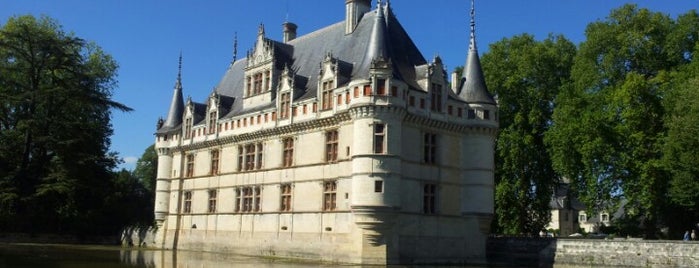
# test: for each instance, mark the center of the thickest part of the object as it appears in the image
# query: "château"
(343, 145)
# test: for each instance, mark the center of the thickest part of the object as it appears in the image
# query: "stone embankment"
(548, 252)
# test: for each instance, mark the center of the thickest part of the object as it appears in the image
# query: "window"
(250, 157)
(430, 148)
(378, 186)
(187, 207)
(247, 200)
(241, 154)
(190, 166)
(436, 104)
(422, 103)
(212, 122)
(381, 87)
(284, 106)
(256, 200)
(285, 197)
(471, 114)
(367, 90)
(329, 195)
(356, 92)
(257, 83)
(429, 199)
(582, 218)
(331, 146)
(249, 86)
(379, 138)
(605, 217)
(460, 112)
(267, 80)
(288, 153)
(327, 95)
(394, 91)
(214, 162)
(411, 101)
(486, 114)
(259, 156)
(188, 128)
(212, 201)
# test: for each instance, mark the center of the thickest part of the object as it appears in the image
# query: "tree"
(607, 135)
(147, 167)
(526, 75)
(55, 106)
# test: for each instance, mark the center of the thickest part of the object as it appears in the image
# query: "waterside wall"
(549, 252)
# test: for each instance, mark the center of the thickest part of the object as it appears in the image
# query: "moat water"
(15, 255)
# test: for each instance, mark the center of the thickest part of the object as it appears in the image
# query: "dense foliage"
(526, 75)
(55, 104)
(610, 124)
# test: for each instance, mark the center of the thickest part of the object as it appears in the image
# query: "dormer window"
(284, 104)
(380, 86)
(436, 105)
(188, 128)
(327, 92)
(212, 122)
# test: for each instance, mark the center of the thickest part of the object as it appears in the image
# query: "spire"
(235, 46)
(473, 88)
(174, 116)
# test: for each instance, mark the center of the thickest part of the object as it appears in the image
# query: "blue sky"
(146, 37)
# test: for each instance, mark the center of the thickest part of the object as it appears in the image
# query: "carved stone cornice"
(478, 129)
(371, 110)
(299, 127)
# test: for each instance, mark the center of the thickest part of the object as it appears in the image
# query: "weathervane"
(235, 46)
(473, 24)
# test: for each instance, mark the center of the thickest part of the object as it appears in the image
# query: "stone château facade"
(342, 145)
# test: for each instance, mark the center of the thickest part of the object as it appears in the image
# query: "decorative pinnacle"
(473, 25)
(235, 46)
(179, 69)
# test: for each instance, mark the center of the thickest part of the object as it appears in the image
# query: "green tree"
(55, 105)
(526, 74)
(147, 168)
(607, 135)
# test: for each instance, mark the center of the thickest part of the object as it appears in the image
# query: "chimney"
(354, 10)
(455, 82)
(289, 31)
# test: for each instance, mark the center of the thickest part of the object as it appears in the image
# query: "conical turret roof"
(473, 88)
(174, 116)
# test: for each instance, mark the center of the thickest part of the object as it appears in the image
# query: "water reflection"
(184, 259)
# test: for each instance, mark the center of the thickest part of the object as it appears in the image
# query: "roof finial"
(235, 46)
(473, 25)
(179, 69)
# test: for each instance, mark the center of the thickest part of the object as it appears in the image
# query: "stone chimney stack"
(289, 31)
(455, 82)
(354, 10)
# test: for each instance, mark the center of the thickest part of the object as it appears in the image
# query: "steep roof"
(174, 116)
(305, 53)
(472, 87)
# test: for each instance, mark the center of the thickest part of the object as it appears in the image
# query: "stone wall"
(548, 252)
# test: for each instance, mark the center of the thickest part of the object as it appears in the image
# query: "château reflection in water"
(183, 259)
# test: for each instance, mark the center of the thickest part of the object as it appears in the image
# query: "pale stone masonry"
(341, 145)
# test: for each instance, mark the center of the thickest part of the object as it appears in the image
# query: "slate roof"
(305, 53)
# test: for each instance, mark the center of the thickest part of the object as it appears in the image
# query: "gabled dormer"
(327, 81)
(212, 113)
(188, 119)
(286, 94)
(437, 85)
(259, 72)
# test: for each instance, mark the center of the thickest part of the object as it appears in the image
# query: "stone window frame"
(429, 198)
(327, 88)
(187, 202)
(436, 97)
(212, 200)
(215, 160)
(380, 132)
(189, 166)
(330, 195)
(284, 105)
(285, 193)
(288, 152)
(332, 141)
(430, 148)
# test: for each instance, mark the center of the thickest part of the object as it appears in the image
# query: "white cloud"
(130, 160)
